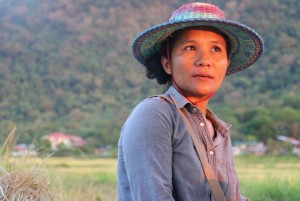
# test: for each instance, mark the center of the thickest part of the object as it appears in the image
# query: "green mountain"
(66, 65)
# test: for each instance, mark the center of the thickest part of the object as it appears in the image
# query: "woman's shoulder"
(149, 115)
(153, 105)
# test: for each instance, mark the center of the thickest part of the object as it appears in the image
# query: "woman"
(191, 53)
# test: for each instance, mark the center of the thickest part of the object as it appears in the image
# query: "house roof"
(64, 136)
(288, 139)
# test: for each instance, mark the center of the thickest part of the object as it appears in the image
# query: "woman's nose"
(202, 60)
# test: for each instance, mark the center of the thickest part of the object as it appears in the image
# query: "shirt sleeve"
(145, 153)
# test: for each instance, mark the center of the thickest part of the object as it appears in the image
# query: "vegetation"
(21, 179)
(83, 179)
(262, 178)
(66, 65)
(269, 178)
(62, 179)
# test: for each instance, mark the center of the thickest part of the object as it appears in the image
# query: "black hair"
(154, 68)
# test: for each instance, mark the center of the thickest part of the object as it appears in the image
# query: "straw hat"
(246, 46)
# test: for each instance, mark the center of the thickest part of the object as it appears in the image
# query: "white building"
(68, 140)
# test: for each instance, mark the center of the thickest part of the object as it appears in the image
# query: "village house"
(23, 150)
(257, 148)
(68, 140)
(293, 141)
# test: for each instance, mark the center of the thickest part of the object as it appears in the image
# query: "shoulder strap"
(209, 173)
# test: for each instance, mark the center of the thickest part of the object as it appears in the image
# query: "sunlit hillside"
(66, 65)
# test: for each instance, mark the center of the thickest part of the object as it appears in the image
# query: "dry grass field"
(263, 178)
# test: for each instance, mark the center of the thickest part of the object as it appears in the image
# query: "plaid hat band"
(200, 11)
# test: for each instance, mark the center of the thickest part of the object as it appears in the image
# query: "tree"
(257, 122)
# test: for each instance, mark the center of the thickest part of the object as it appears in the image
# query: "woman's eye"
(189, 48)
(216, 49)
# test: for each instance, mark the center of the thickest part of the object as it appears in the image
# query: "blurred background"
(68, 79)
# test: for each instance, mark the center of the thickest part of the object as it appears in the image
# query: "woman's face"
(199, 62)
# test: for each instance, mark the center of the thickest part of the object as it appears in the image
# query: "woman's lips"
(203, 75)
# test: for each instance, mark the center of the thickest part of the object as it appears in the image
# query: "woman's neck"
(201, 103)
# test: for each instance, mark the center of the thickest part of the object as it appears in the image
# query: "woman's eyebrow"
(215, 42)
(187, 41)
(218, 42)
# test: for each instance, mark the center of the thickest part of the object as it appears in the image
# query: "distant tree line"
(66, 65)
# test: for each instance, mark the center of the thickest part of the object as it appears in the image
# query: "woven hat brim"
(246, 44)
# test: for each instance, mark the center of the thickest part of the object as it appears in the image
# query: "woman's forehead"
(195, 34)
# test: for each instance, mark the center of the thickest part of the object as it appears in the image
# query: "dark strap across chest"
(209, 173)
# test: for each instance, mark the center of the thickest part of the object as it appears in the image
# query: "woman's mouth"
(203, 76)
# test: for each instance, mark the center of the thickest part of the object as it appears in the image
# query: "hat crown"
(197, 10)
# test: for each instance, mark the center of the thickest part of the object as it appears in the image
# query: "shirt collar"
(220, 125)
(180, 101)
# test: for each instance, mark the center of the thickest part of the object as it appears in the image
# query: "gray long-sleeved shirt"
(157, 160)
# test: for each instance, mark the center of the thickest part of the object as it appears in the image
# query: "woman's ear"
(165, 64)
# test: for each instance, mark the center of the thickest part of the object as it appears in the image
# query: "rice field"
(83, 179)
(269, 178)
(263, 178)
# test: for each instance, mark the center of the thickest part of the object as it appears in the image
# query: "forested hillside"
(66, 65)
